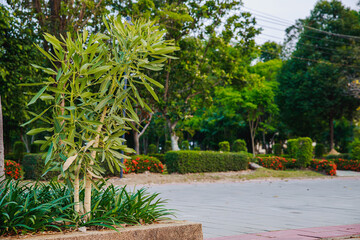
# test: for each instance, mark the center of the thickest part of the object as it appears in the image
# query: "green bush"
(277, 149)
(239, 146)
(224, 146)
(185, 145)
(34, 167)
(13, 170)
(159, 156)
(10, 156)
(319, 150)
(341, 155)
(167, 146)
(304, 151)
(355, 149)
(197, 148)
(152, 148)
(347, 164)
(205, 161)
(292, 146)
(19, 150)
(34, 207)
(35, 148)
(142, 163)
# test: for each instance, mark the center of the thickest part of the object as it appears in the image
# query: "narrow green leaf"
(33, 100)
(38, 130)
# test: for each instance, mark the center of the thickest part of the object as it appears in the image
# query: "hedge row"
(277, 163)
(205, 161)
(347, 164)
(34, 167)
(323, 165)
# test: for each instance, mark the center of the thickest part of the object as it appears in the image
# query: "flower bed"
(277, 163)
(142, 163)
(280, 163)
(12, 169)
(346, 164)
(323, 165)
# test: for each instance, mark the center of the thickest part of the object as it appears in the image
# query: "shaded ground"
(219, 177)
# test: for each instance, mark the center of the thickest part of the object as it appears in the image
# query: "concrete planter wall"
(172, 230)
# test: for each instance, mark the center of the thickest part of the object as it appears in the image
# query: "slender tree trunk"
(252, 135)
(173, 137)
(136, 142)
(77, 190)
(88, 177)
(2, 160)
(331, 125)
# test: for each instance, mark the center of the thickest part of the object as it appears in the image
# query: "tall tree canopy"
(313, 82)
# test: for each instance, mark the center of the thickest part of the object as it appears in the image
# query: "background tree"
(314, 81)
(205, 60)
(270, 51)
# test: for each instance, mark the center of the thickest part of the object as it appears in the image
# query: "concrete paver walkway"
(343, 232)
(231, 209)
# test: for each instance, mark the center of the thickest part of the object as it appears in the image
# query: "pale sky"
(274, 16)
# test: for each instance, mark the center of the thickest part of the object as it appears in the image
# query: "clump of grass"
(27, 207)
(269, 173)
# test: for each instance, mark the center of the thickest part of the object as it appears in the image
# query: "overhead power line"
(317, 61)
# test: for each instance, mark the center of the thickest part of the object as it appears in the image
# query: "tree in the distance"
(313, 86)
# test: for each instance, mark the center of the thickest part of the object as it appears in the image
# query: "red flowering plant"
(276, 163)
(142, 163)
(323, 165)
(347, 164)
(12, 170)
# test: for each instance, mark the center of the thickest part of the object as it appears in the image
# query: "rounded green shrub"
(239, 146)
(292, 146)
(142, 163)
(304, 151)
(185, 145)
(168, 146)
(355, 149)
(152, 149)
(277, 149)
(319, 150)
(19, 150)
(224, 146)
(197, 148)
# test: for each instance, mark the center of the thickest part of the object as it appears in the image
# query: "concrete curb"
(175, 230)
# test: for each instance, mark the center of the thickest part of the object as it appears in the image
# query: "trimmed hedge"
(304, 151)
(205, 161)
(159, 156)
(277, 149)
(167, 146)
(19, 150)
(152, 149)
(323, 165)
(34, 167)
(185, 145)
(239, 146)
(347, 164)
(292, 146)
(341, 155)
(319, 150)
(224, 146)
(277, 163)
(355, 149)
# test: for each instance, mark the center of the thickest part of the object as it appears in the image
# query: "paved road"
(227, 209)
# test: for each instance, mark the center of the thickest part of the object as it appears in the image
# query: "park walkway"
(232, 209)
(331, 232)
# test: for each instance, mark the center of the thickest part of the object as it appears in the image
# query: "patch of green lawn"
(269, 173)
